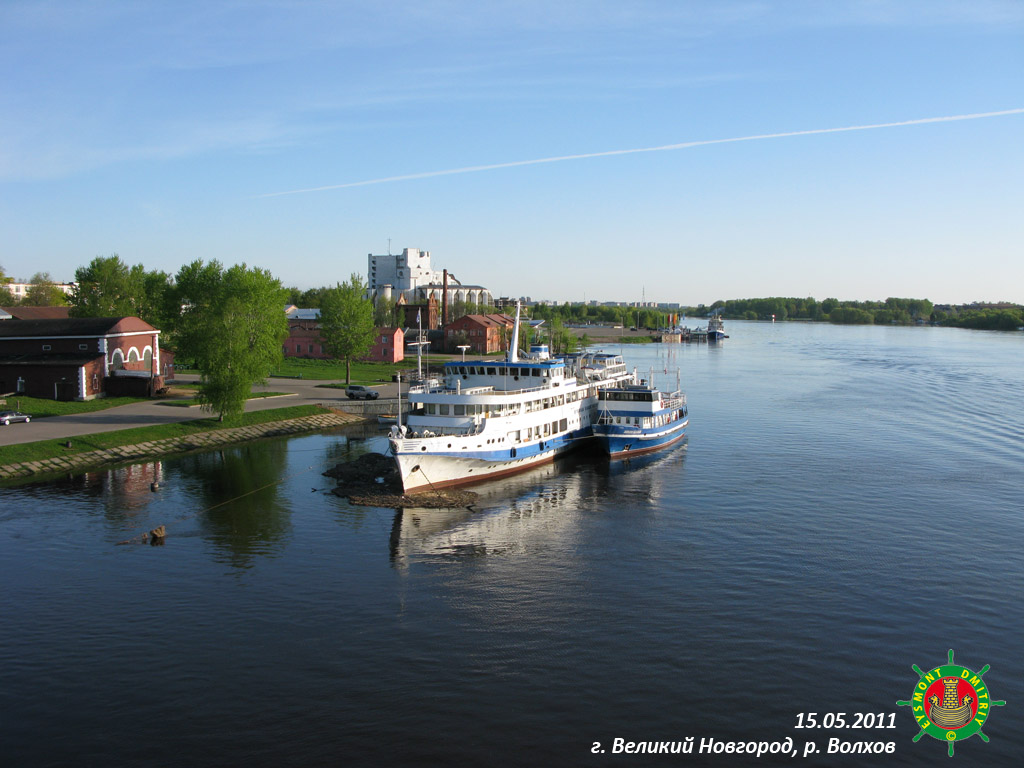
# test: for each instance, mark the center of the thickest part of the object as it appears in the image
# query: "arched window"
(116, 360)
(133, 355)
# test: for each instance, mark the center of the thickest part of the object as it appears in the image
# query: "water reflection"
(240, 506)
(541, 508)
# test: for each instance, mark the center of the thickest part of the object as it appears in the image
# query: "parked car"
(6, 417)
(357, 392)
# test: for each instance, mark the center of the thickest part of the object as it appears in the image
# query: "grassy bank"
(45, 449)
(40, 408)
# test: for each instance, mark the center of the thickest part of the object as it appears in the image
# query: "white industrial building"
(409, 274)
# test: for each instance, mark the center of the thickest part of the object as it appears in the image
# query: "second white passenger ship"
(489, 418)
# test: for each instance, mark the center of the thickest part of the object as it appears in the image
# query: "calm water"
(849, 503)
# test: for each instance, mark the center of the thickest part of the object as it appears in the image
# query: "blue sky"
(164, 132)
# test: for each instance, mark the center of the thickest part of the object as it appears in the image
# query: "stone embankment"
(76, 462)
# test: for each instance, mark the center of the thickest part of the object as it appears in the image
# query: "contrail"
(663, 148)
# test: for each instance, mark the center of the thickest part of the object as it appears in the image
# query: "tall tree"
(346, 322)
(44, 292)
(232, 326)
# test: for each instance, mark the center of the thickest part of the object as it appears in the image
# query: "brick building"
(304, 339)
(81, 358)
(388, 346)
(483, 333)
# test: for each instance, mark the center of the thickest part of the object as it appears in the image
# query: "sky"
(247, 131)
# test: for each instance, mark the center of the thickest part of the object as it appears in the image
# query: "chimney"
(444, 300)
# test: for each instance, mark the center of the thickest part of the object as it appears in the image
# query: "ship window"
(460, 410)
(535, 372)
(443, 409)
(431, 408)
(490, 371)
(501, 370)
(563, 425)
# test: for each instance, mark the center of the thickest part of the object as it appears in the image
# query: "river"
(848, 503)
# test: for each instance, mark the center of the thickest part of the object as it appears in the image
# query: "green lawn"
(40, 408)
(45, 449)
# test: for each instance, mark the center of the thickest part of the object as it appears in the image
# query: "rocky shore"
(372, 481)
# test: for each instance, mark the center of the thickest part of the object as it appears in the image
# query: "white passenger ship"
(489, 418)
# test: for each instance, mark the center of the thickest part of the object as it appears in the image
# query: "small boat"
(635, 418)
(387, 418)
(716, 329)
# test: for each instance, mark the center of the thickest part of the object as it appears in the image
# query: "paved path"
(145, 414)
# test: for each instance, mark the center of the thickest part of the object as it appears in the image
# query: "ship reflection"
(540, 509)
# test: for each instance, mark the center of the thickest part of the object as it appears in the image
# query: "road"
(153, 412)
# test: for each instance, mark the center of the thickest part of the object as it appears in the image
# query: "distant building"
(305, 340)
(482, 333)
(81, 358)
(20, 290)
(411, 275)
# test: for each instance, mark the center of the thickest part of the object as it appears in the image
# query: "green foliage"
(232, 326)
(562, 341)
(41, 407)
(892, 310)
(617, 315)
(6, 297)
(850, 316)
(346, 322)
(387, 313)
(44, 292)
(108, 287)
(989, 319)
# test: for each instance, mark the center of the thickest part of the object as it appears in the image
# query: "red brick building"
(429, 314)
(81, 358)
(388, 346)
(304, 339)
(483, 333)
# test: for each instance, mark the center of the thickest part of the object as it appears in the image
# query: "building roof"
(74, 326)
(34, 313)
(488, 321)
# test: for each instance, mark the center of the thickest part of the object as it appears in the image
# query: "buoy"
(154, 487)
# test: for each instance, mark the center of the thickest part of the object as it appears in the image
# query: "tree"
(346, 322)
(44, 292)
(232, 326)
(6, 297)
(108, 287)
(387, 313)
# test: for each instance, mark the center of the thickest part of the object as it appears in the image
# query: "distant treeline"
(891, 311)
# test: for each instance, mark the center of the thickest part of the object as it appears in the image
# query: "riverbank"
(50, 457)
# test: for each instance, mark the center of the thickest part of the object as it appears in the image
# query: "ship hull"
(422, 470)
(621, 446)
